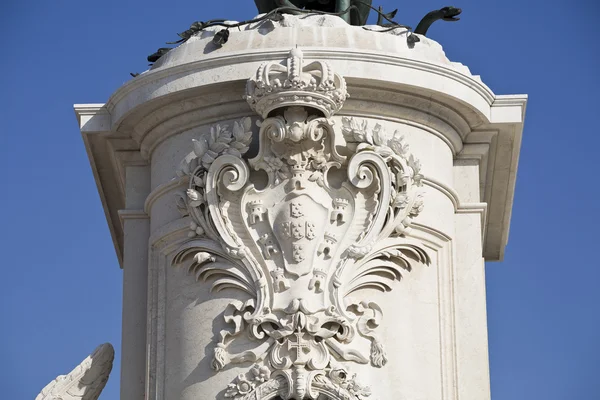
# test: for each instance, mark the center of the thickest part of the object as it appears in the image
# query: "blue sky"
(61, 294)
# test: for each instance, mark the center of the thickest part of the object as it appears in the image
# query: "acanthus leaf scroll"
(318, 228)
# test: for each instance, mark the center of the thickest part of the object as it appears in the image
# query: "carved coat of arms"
(306, 230)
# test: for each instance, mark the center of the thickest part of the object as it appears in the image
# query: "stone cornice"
(261, 55)
(93, 117)
(132, 214)
(508, 109)
(441, 99)
(166, 81)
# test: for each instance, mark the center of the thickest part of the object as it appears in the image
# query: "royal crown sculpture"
(306, 228)
(313, 85)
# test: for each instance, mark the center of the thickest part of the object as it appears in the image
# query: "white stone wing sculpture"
(86, 381)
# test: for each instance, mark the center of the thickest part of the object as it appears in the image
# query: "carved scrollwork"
(333, 383)
(322, 227)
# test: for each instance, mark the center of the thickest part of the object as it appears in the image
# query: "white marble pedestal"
(336, 251)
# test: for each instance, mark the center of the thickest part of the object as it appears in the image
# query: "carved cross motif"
(301, 346)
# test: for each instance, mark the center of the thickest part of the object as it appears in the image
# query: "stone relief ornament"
(84, 382)
(305, 235)
(312, 85)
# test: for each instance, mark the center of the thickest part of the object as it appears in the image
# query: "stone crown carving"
(313, 85)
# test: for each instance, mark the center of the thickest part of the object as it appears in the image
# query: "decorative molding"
(476, 208)
(441, 247)
(459, 207)
(132, 214)
(163, 189)
(305, 243)
(513, 108)
(93, 117)
(346, 55)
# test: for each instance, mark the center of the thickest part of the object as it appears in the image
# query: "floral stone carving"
(299, 240)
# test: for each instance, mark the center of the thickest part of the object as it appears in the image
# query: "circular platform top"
(308, 31)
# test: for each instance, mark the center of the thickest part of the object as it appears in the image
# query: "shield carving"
(297, 229)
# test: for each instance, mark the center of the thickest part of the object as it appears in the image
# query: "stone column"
(321, 201)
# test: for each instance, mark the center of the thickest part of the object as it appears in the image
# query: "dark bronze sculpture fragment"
(445, 14)
(355, 12)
